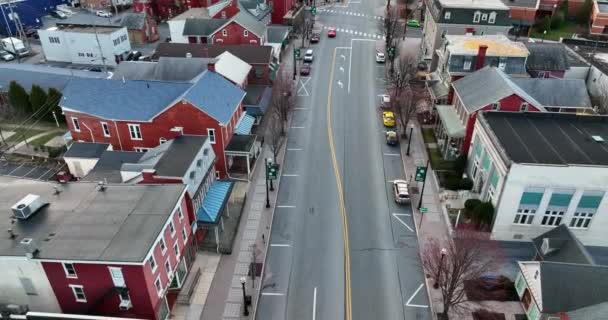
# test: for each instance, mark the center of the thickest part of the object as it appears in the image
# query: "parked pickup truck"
(14, 46)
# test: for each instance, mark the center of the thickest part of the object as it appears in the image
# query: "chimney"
(481, 56)
(188, 55)
(211, 66)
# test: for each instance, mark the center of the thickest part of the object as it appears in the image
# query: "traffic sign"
(313, 11)
(296, 53)
(271, 171)
(423, 210)
(420, 173)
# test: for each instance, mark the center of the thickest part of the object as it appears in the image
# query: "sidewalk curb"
(414, 210)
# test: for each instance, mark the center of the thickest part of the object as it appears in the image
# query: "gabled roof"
(556, 92)
(249, 22)
(88, 150)
(216, 96)
(277, 34)
(561, 245)
(44, 76)
(258, 8)
(176, 155)
(109, 165)
(233, 68)
(133, 20)
(252, 54)
(166, 69)
(118, 100)
(496, 85)
(203, 27)
(547, 56)
(193, 13)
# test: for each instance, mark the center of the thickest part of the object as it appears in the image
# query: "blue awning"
(215, 200)
(245, 124)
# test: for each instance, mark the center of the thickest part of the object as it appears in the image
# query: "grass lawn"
(428, 135)
(565, 31)
(437, 161)
(19, 134)
(44, 139)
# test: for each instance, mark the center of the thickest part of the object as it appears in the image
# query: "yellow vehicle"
(388, 119)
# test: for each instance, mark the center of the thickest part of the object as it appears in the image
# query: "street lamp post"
(267, 196)
(443, 253)
(409, 141)
(423, 185)
(544, 34)
(270, 166)
(245, 298)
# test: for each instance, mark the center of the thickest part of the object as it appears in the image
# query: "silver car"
(5, 56)
(308, 56)
(401, 191)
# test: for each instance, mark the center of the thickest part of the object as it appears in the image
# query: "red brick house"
(280, 9)
(242, 28)
(87, 252)
(455, 124)
(547, 60)
(139, 115)
(523, 14)
(599, 18)
(141, 26)
(259, 57)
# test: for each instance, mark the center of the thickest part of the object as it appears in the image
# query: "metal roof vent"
(188, 55)
(31, 248)
(27, 206)
(597, 139)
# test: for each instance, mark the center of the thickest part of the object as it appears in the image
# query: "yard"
(20, 134)
(566, 30)
(437, 161)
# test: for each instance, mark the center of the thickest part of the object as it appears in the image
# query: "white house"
(85, 44)
(541, 170)
(24, 282)
(176, 24)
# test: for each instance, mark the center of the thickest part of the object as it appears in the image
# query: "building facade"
(85, 45)
(461, 17)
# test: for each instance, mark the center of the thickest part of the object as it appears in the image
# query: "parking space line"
(392, 154)
(407, 304)
(286, 206)
(294, 149)
(314, 304)
(272, 294)
(10, 173)
(396, 216)
(279, 245)
(290, 175)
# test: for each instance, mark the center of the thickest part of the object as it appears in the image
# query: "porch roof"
(245, 124)
(451, 121)
(215, 200)
(240, 144)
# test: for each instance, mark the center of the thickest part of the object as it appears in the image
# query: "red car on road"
(305, 69)
(331, 33)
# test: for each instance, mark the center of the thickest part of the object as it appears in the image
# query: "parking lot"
(29, 171)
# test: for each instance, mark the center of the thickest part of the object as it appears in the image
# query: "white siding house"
(24, 282)
(541, 170)
(85, 45)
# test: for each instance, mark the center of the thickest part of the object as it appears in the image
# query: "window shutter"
(590, 201)
(531, 198)
(560, 199)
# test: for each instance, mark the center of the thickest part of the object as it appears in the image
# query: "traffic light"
(420, 173)
(313, 11)
(296, 53)
(391, 52)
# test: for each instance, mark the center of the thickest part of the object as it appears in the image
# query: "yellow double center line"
(347, 293)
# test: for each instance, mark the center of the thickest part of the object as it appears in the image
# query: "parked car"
(103, 14)
(6, 56)
(400, 189)
(331, 33)
(305, 69)
(380, 57)
(93, 69)
(413, 23)
(58, 14)
(388, 119)
(308, 56)
(385, 101)
(315, 38)
(392, 138)
(133, 56)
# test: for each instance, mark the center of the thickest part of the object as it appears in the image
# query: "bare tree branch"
(468, 256)
(406, 68)
(283, 98)
(406, 105)
(274, 134)
(390, 26)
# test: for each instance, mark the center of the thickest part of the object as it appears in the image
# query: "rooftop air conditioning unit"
(27, 206)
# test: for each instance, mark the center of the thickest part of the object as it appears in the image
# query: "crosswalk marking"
(357, 33)
(351, 13)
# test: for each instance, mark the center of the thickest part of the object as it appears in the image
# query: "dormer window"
(492, 18)
(448, 15)
(484, 17)
(476, 16)
(523, 107)
(467, 63)
(496, 106)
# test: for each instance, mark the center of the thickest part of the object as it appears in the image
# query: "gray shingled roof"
(556, 92)
(179, 156)
(166, 69)
(276, 34)
(86, 150)
(547, 56)
(109, 164)
(202, 27)
(133, 20)
(252, 24)
(252, 54)
(563, 247)
(567, 286)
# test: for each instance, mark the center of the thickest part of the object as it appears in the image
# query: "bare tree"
(406, 68)
(469, 255)
(274, 134)
(406, 105)
(283, 98)
(390, 26)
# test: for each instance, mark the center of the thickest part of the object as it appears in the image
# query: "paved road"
(306, 276)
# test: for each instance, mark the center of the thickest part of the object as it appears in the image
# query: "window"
(448, 15)
(162, 140)
(467, 63)
(117, 277)
(246, 33)
(476, 16)
(211, 134)
(492, 18)
(54, 40)
(582, 219)
(224, 32)
(502, 63)
(159, 287)
(484, 17)
(172, 228)
(184, 234)
(80, 54)
(163, 247)
(523, 107)
(496, 106)
(76, 124)
(217, 174)
(105, 129)
(70, 271)
(123, 37)
(223, 14)
(142, 149)
(78, 292)
(176, 249)
(152, 263)
(124, 296)
(524, 216)
(168, 267)
(259, 72)
(90, 55)
(135, 131)
(180, 214)
(552, 218)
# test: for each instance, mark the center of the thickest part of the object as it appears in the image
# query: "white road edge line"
(294, 149)
(396, 216)
(272, 294)
(300, 108)
(390, 154)
(297, 127)
(286, 206)
(314, 304)
(402, 214)
(407, 304)
(291, 175)
(279, 245)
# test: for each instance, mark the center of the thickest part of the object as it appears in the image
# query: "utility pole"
(10, 33)
(423, 184)
(18, 24)
(103, 59)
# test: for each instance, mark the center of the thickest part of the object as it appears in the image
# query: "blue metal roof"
(244, 126)
(215, 200)
(216, 96)
(46, 77)
(115, 99)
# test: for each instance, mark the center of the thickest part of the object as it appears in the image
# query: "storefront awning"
(451, 122)
(439, 90)
(245, 124)
(215, 201)
(240, 145)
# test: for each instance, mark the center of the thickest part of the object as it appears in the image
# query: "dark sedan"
(305, 69)
(315, 38)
